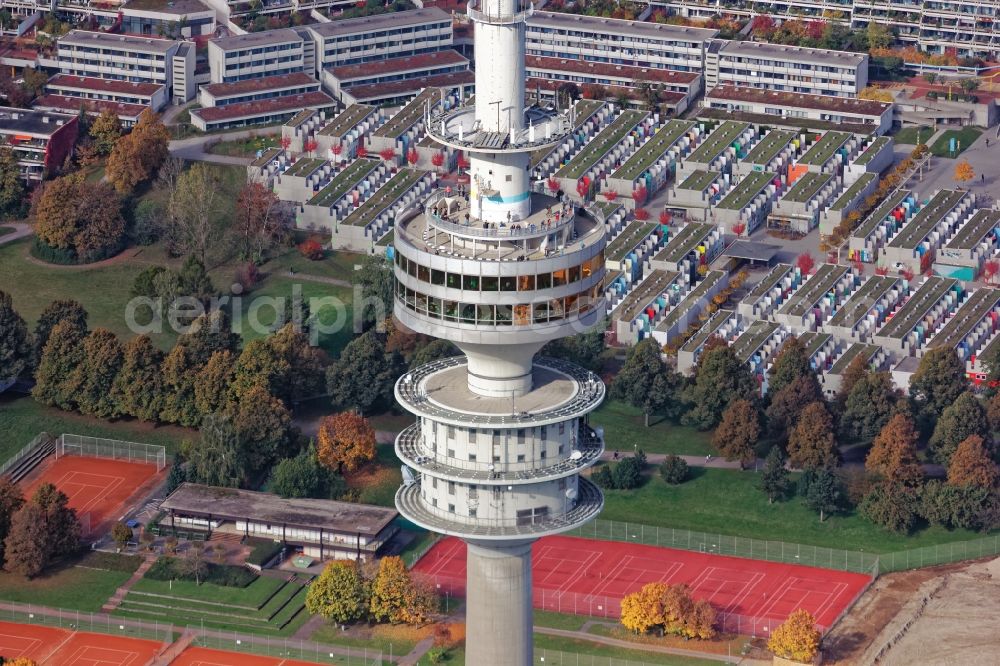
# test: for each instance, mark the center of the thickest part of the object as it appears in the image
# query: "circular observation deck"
(474, 12)
(439, 391)
(586, 507)
(413, 451)
(459, 129)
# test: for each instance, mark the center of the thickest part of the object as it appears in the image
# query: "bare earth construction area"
(939, 615)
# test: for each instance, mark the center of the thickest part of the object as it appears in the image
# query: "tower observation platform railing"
(588, 397)
(458, 128)
(412, 450)
(501, 18)
(472, 228)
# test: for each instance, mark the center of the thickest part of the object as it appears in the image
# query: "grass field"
(624, 430)
(71, 587)
(4, 230)
(571, 647)
(729, 502)
(21, 418)
(244, 147)
(373, 638)
(965, 137)
(910, 135)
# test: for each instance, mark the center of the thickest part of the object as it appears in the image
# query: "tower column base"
(500, 371)
(498, 600)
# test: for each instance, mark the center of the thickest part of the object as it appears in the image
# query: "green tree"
(790, 364)
(719, 379)
(12, 196)
(25, 548)
(197, 227)
(263, 428)
(376, 282)
(194, 280)
(789, 401)
(55, 312)
(879, 37)
(208, 334)
(584, 349)
(641, 381)
(433, 351)
(10, 501)
(893, 455)
(869, 406)
(175, 478)
(62, 354)
(737, 435)
(61, 523)
(364, 374)
(627, 474)
(95, 375)
(856, 369)
(258, 365)
(811, 444)
(212, 385)
(16, 350)
(138, 388)
(340, 593)
(121, 534)
(938, 382)
(303, 476)
(304, 376)
(218, 459)
(179, 371)
(891, 506)
(774, 476)
(965, 416)
(145, 282)
(191, 565)
(674, 469)
(105, 131)
(824, 493)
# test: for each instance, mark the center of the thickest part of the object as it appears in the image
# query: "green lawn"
(729, 502)
(910, 135)
(252, 596)
(380, 487)
(565, 652)
(244, 147)
(71, 587)
(624, 430)
(21, 418)
(337, 265)
(965, 137)
(4, 230)
(566, 621)
(332, 635)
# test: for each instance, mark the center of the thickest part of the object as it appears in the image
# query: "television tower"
(501, 437)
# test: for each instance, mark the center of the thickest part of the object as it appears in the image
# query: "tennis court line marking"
(581, 569)
(67, 479)
(57, 648)
(79, 657)
(32, 643)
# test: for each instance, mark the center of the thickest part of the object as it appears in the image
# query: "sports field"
(48, 645)
(196, 656)
(590, 577)
(101, 490)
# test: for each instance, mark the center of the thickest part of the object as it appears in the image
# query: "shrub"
(167, 568)
(602, 477)
(674, 470)
(263, 551)
(111, 561)
(311, 249)
(628, 474)
(248, 275)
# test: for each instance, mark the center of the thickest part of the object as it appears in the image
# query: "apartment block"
(41, 140)
(361, 40)
(785, 68)
(90, 89)
(105, 55)
(617, 42)
(390, 70)
(801, 107)
(256, 54)
(181, 18)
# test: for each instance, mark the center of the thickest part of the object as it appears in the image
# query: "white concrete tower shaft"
(500, 184)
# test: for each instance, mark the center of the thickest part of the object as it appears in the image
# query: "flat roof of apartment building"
(600, 24)
(797, 100)
(792, 53)
(369, 91)
(175, 7)
(264, 106)
(31, 121)
(73, 104)
(255, 39)
(68, 81)
(610, 70)
(259, 84)
(449, 58)
(112, 40)
(380, 22)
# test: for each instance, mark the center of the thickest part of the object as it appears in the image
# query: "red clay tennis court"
(59, 647)
(198, 656)
(100, 487)
(590, 577)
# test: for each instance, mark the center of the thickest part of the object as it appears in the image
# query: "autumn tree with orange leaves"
(670, 609)
(893, 455)
(396, 597)
(796, 638)
(971, 465)
(345, 441)
(964, 172)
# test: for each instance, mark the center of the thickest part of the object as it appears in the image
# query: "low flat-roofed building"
(253, 90)
(263, 112)
(392, 70)
(176, 18)
(786, 68)
(599, 39)
(41, 140)
(876, 116)
(402, 91)
(371, 38)
(324, 529)
(88, 88)
(256, 54)
(128, 114)
(547, 74)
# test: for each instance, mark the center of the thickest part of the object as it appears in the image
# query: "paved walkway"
(193, 148)
(116, 599)
(629, 645)
(419, 650)
(22, 229)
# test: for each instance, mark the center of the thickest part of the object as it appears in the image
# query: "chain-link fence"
(941, 554)
(289, 648)
(83, 621)
(115, 449)
(559, 658)
(724, 544)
